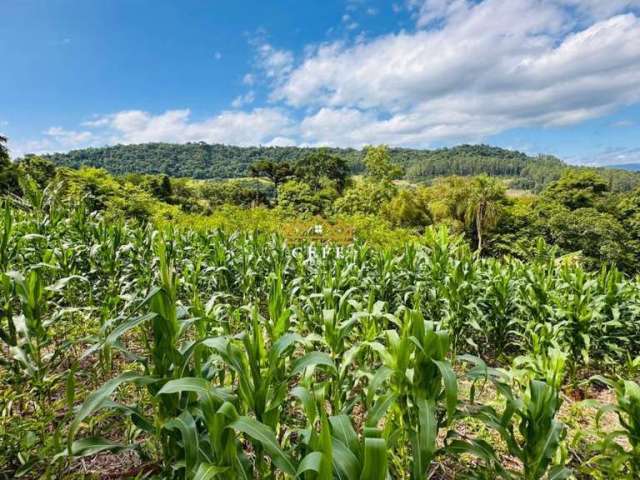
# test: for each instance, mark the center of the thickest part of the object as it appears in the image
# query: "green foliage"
(232, 193)
(38, 168)
(321, 170)
(409, 209)
(597, 235)
(613, 459)
(278, 173)
(4, 152)
(8, 174)
(364, 198)
(299, 197)
(491, 219)
(578, 189)
(377, 162)
(484, 205)
(202, 161)
(196, 353)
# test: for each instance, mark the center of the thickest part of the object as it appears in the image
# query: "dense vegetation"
(203, 161)
(129, 351)
(305, 323)
(580, 213)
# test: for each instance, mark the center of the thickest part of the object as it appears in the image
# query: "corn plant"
(612, 457)
(238, 356)
(528, 424)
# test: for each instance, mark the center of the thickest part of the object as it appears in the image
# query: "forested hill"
(201, 160)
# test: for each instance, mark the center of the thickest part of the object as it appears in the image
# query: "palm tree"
(484, 205)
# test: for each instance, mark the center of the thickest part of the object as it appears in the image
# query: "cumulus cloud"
(428, 11)
(599, 9)
(54, 139)
(468, 70)
(68, 137)
(485, 68)
(281, 142)
(275, 63)
(259, 126)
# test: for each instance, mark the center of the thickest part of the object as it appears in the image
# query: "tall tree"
(278, 173)
(8, 173)
(317, 167)
(377, 161)
(578, 189)
(484, 204)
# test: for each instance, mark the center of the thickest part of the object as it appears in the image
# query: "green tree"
(485, 202)
(448, 197)
(409, 208)
(300, 197)
(163, 189)
(377, 161)
(277, 172)
(599, 236)
(8, 173)
(364, 198)
(38, 168)
(232, 192)
(321, 165)
(519, 229)
(578, 189)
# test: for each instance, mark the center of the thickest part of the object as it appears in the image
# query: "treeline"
(193, 160)
(580, 213)
(204, 161)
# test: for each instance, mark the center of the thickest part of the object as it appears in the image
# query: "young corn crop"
(205, 355)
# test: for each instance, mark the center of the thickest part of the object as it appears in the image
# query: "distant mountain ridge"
(630, 167)
(205, 161)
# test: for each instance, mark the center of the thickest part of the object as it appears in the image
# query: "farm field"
(133, 352)
(320, 240)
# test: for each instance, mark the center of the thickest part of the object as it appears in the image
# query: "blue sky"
(543, 76)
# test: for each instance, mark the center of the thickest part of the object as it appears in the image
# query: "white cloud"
(470, 69)
(281, 142)
(55, 139)
(349, 23)
(98, 121)
(249, 79)
(428, 11)
(259, 126)
(274, 63)
(68, 138)
(242, 100)
(612, 156)
(486, 67)
(598, 9)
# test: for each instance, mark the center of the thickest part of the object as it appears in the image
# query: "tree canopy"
(204, 161)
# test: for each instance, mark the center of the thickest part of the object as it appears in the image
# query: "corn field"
(128, 352)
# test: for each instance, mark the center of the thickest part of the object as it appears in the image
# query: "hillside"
(201, 160)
